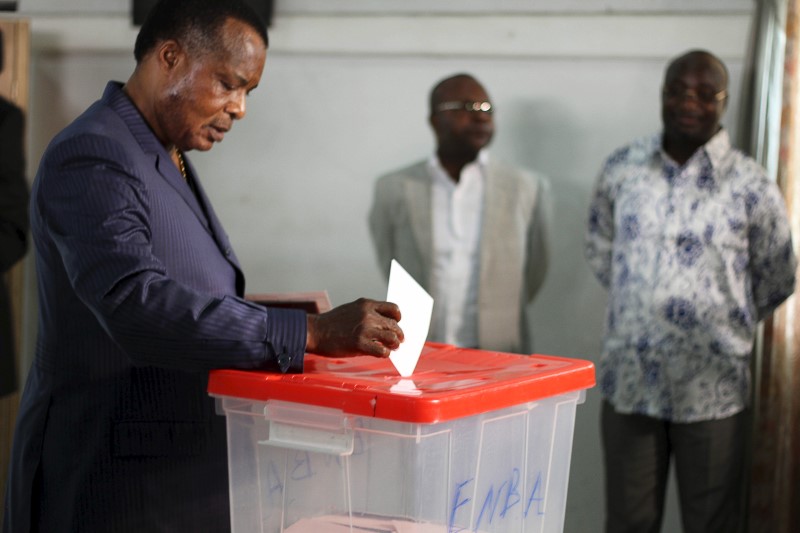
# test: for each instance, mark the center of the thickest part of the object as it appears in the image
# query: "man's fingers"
(389, 338)
(389, 310)
(374, 348)
(387, 331)
(361, 327)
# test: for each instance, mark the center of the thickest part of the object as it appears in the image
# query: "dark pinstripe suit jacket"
(139, 295)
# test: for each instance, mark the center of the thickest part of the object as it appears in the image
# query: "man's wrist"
(311, 344)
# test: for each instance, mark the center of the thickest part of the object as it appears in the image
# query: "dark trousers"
(709, 466)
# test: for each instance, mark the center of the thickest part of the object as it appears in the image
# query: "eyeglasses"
(706, 96)
(472, 107)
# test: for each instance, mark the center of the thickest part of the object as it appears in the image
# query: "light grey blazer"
(514, 243)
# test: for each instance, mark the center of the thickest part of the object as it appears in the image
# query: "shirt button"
(284, 360)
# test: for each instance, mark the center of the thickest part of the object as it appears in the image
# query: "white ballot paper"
(416, 307)
(405, 386)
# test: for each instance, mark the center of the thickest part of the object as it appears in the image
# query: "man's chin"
(691, 135)
(204, 145)
(478, 146)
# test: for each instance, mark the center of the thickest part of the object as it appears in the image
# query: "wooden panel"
(8, 415)
(311, 302)
(13, 86)
(16, 61)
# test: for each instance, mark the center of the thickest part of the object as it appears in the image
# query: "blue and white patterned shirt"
(693, 257)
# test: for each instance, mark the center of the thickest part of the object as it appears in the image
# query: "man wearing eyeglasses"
(471, 229)
(692, 240)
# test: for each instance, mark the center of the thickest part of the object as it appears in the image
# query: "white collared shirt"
(457, 220)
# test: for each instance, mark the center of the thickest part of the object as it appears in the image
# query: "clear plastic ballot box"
(473, 441)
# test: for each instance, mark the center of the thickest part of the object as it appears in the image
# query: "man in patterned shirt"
(692, 240)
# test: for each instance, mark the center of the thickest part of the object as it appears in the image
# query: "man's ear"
(169, 54)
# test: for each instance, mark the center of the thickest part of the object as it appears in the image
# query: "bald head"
(694, 98)
(461, 118)
(696, 59)
(444, 90)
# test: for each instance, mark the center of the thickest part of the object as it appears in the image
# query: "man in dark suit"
(141, 294)
(13, 226)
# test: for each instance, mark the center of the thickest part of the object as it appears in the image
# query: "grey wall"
(343, 100)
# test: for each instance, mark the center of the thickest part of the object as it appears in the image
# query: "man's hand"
(362, 327)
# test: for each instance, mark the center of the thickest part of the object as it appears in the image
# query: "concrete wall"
(343, 99)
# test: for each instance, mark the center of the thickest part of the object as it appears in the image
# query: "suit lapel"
(162, 163)
(117, 100)
(494, 227)
(418, 198)
(172, 175)
(213, 225)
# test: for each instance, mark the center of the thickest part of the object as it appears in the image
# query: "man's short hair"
(694, 55)
(435, 97)
(193, 23)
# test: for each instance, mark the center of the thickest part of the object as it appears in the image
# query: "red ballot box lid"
(448, 383)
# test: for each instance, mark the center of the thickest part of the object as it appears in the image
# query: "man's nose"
(236, 107)
(689, 94)
(689, 100)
